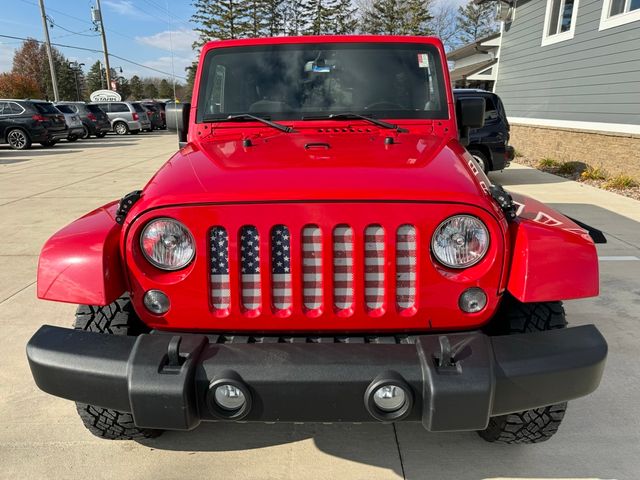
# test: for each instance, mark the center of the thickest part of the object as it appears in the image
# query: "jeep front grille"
(379, 246)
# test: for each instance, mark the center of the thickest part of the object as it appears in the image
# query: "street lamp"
(75, 66)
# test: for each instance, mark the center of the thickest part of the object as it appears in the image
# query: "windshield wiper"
(354, 116)
(246, 117)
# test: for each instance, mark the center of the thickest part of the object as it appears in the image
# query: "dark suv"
(23, 122)
(489, 144)
(94, 120)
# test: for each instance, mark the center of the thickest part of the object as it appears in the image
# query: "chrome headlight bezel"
(155, 262)
(477, 258)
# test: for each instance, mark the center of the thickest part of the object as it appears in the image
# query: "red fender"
(81, 263)
(553, 259)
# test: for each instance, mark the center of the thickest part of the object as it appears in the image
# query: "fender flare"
(82, 262)
(553, 258)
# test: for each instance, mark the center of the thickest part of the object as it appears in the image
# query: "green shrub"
(621, 182)
(570, 168)
(592, 173)
(548, 163)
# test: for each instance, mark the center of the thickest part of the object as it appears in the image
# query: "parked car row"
(24, 122)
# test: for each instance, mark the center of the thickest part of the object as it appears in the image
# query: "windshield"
(383, 80)
(94, 109)
(64, 108)
(44, 107)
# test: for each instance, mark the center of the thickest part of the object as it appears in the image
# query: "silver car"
(73, 122)
(126, 117)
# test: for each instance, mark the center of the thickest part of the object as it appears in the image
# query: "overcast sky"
(137, 30)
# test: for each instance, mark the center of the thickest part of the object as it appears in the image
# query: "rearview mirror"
(178, 120)
(470, 113)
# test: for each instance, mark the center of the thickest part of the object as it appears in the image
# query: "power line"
(93, 50)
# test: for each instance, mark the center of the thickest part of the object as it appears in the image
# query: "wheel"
(539, 424)
(482, 159)
(85, 132)
(135, 132)
(48, 143)
(121, 128)
(118, 318)
(72, 138)
(101, 134)
(18, 139)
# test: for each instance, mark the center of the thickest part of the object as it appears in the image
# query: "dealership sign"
(105, 96)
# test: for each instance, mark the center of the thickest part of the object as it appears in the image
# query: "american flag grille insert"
(312, 267)
(374, 266)
(309, 271)
(406, 267)
(219, 263)
(281, 267)
(343, 267)
(250, 267)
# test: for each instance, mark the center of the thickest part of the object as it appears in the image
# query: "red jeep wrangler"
(321, 249)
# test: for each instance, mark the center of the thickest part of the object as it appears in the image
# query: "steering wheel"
(384, 106)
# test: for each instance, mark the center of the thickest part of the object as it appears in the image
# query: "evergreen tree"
(95, 80)
(165, 90)
(219, 19)
(150, 90)
(191, 75)
(254, 24)
(137, 87)
(476, 21)
(397, 17)
(346, 20)
(294, 19)
(124, 88)
(321, 15)
(274, 12)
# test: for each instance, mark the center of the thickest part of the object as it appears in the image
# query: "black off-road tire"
(72, 138)
(118, 318)
(539, 424)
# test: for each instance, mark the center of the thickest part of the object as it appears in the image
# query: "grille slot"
(312, 267)
(343, 267)
(406, 251)
(219, 264)
(281, 267)
(374, 259)
(250, 267)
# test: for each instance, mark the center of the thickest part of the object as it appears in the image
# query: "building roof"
(464, 72)
(473, 47)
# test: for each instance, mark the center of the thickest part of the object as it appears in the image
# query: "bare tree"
(444, 24)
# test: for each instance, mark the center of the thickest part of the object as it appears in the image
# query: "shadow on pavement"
(525, 176)
(371, 444)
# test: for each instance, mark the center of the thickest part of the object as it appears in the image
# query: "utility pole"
(54, 80)
(96, 14)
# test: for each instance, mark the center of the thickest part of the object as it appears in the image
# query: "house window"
(619, 12)
(560, 20)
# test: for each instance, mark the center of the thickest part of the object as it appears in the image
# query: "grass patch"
(592, 173)
(549, 163)
(621, 182)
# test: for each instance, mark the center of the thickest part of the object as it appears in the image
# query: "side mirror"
(470, 113)
(178, 120)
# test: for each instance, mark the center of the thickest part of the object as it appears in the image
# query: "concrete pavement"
(41, 437)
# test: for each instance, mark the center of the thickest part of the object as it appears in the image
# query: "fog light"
(389, 398)
(472, 300)
(229, 397)
(156, 302)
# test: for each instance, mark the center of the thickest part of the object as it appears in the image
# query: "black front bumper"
(164, 379)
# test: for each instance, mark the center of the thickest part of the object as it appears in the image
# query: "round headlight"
(460, 241)
(167, 244)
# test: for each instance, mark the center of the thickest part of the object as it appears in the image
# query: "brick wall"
(616, 153)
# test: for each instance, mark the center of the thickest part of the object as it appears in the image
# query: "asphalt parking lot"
(41, 437)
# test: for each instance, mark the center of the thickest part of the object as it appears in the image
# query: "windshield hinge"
(504, 200)
(125, 205)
